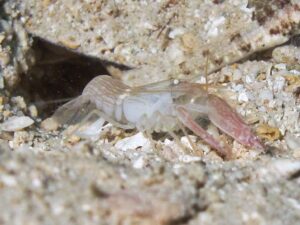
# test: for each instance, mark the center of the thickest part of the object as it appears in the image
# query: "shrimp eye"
(176, 82)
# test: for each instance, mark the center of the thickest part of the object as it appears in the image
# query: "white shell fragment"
(133, 142)
(292, 142)
(212, 26)
(243, 97)
(189, 158)
(92, 131)
(266, 95)
(139, 163)
(16, 123)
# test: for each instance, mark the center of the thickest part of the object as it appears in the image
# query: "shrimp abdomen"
(105, 92)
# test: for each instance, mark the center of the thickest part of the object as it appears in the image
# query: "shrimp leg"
(110, 120)
(177, 140)
(192, 144)
(99, 123)
(223, 116)
(96, 112)
(188, 121)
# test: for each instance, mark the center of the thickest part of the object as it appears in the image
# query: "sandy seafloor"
(47, 177)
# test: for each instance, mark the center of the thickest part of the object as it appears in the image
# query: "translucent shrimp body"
(165, 106)
(145, 111)
(153, 112)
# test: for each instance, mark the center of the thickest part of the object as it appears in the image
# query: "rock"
(132, 142)
(49, 124)
(33, 111)
(292, 142)
(267, 132)
(16, 123)
(19, 102)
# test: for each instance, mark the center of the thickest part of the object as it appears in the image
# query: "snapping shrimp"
(161, 107)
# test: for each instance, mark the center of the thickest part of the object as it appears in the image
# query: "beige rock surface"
(162, 39)
(49, 178)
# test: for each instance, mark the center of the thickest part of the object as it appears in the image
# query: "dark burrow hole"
(58, 75)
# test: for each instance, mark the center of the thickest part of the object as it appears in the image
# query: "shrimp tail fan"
(73, 111)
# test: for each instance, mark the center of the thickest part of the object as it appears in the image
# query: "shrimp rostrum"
(161, 107)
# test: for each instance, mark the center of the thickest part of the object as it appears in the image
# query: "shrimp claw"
(227, 119)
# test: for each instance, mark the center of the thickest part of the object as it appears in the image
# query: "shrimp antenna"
(56, 101)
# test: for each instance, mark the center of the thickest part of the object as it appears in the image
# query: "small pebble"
(69, 42)
(267, 132)
(176, 54)
(185, 141)
(265, 96)
(19, 101)
(280, 66)
(73, 139)
(279, 83)
(49, 124)
(292, 142)
(21, 137)
(189, 158)
(2, 37)
(237, 75)
(4, 59)
(16, 123)
(132, 142)
(176, 32)
(1, 83)
(296, 154)
(243, 97)
(8, 180)
(1, 100)
(213, 156)
(139, 163)
(189, 41)
(33, 111)
(6, 113)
